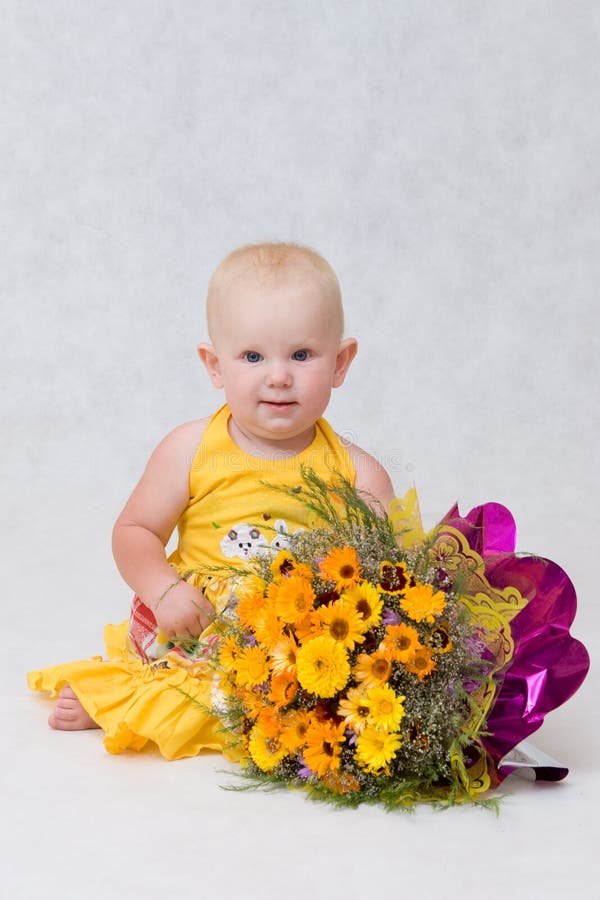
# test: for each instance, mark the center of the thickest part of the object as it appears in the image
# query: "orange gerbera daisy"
(341, 566)
(250, 605)
(283, 688)
(373, 669)
(269, 721)
(401, 641)
(295, 598)
(323, 747)
(422, 603)
(294, 727)
(308, 627)
(267, 626)
(342, 623)
(421, 663)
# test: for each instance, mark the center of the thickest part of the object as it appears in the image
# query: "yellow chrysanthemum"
(365, 599)
(322, 666)
(252, 667)
(376, 749)
(284, 654)
(401, 641)
(421, 603)
(341, 566)
(294, 727)
(421, 663)
(373, 669)
(283, 688)
(266, 751)
(355, 709)
(323, 747)
(229, 651)
(295, 598)
(342, 623)
(386, 708)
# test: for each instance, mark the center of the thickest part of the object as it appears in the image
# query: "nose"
(278, 374)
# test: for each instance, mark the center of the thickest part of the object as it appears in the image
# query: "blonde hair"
(271, 260)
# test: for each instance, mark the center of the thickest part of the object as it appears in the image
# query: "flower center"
(339, 629)
(327, 748)
(380, 667)
(363, 607)
(347, 571)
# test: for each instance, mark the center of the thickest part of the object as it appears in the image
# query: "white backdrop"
(443, 156)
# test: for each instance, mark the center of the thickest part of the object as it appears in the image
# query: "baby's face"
(277, 353)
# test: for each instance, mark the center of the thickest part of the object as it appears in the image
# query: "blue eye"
(252, 356)
(300, 355)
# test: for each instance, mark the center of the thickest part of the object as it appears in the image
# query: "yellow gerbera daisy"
(295, 598)
(323, 666)
(323, 746)
(342, 623)
(285, 565)
(294, 727)
(283, 654)
(421, 663)
(252, 667)
(229, 650)
(355, 709)
(341, 566)
(376, 749)
(365, 599)
(421, 603)
(266, 751)
(401, 641)
(373, 668)
(386, 708)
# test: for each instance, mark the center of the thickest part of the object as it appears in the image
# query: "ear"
(208, 355)
(346, 353)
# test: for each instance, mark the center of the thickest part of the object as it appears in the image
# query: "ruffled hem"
(135, 702)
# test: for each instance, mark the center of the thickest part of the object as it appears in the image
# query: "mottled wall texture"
(443, 154)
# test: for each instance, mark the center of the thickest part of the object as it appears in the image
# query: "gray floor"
(80, 823)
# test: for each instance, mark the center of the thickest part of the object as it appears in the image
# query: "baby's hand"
(184, 612)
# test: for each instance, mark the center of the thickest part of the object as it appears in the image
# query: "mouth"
(279, 404)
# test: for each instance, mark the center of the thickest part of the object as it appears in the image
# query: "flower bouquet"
(369, 661)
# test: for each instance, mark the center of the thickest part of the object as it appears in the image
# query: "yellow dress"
(147, 689)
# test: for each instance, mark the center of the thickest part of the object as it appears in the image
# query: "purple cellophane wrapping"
(548, 665)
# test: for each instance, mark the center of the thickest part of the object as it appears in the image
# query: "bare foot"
(69, 714)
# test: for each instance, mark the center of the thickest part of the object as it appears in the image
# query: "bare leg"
(69, 714)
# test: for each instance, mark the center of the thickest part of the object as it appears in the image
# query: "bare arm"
(371, 476)
(144, 527)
